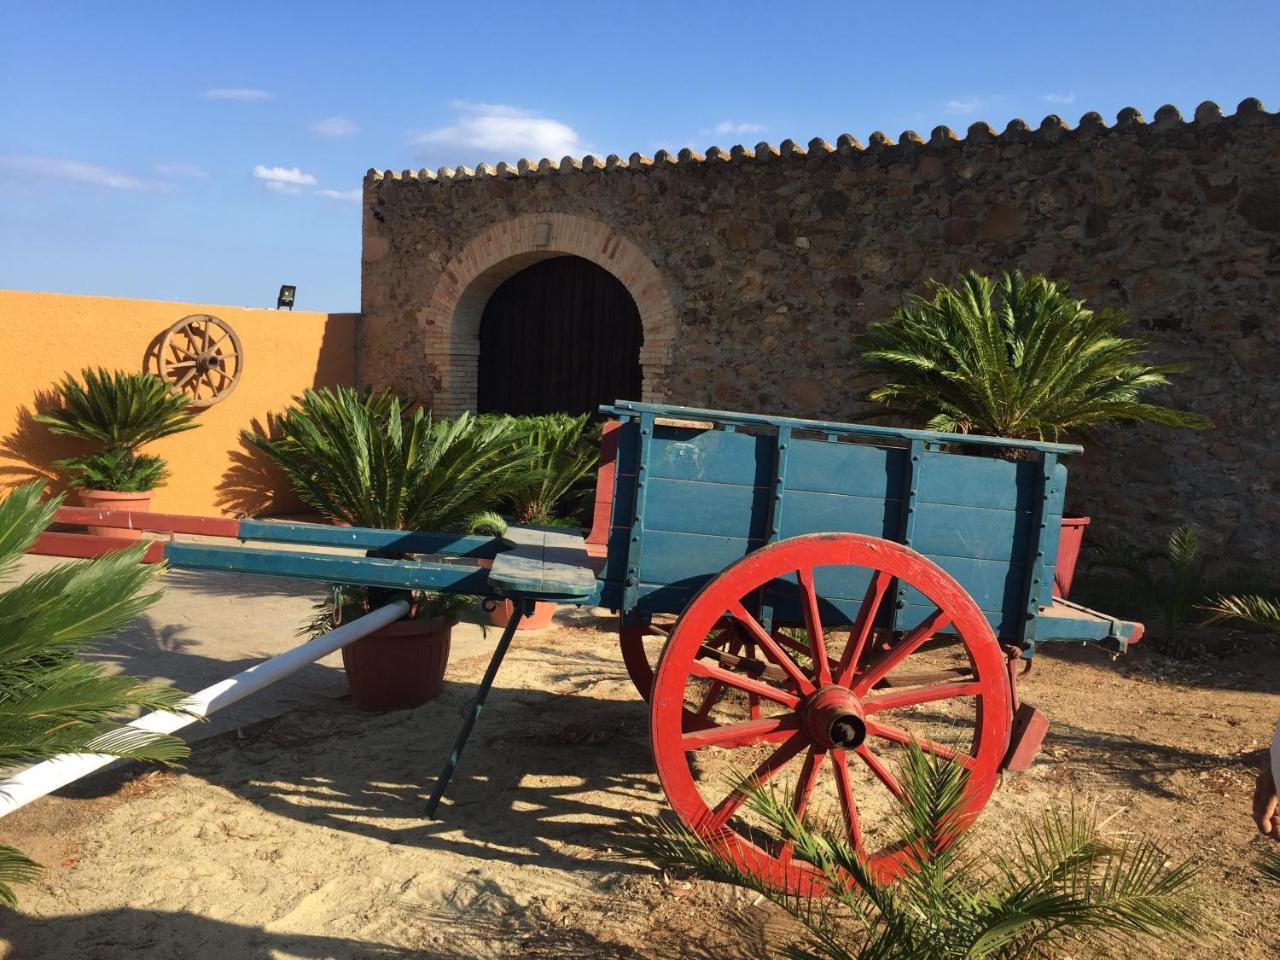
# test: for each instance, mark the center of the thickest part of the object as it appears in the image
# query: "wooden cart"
(797, 599)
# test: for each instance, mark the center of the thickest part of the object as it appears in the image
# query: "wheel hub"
(834, 719)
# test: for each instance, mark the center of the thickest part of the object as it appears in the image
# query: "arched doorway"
(562, 334)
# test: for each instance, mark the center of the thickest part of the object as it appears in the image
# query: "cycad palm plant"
(1014, 357)
(1174, 582)
(119, 413)
(51, 702)
(365, 458)
(1061, 879)
(566, 451)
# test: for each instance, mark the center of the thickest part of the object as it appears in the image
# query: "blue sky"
(211, 152)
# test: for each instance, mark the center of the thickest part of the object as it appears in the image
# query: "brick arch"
(456, 304)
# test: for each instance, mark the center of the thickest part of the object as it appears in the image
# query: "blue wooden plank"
(856, 469)
(628, 446)
(365, 538)
(332, 568)
(831, 513)
(685, 559)
(718, 509)
(994, 587)
(628, 407)
(544, 563)
(712, 456)
(946, 530)
(979, 481)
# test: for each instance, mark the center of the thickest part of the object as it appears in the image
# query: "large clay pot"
(1069, 540)
(540, 619)
(115, 500)
(400, 666)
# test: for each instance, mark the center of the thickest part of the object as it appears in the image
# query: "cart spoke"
(709, 671)
(770, 646)
(813, 626)
(808, 780)
(848, 804)
(882, 772)
(863, 626)
(901, 650)
(896, 735)
(187, 376)
(743, 734)
(727, 807)
(909, 698)
(716, 687)
(804, 790)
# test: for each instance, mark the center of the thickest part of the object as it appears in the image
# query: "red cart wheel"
(636, 639)
(836, 712)
(642, 644)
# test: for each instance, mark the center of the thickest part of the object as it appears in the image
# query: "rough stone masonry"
(754, 269)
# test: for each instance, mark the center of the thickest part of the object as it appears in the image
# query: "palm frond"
(117, 412)
(1014, 357)
(1269, 863)
(15, 867)
(22, 518)
(1252, 608)
(1062, 879)
(51, 702)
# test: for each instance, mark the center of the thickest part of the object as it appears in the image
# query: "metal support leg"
(442, 782)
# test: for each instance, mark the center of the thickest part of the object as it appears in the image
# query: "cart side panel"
(709, 498)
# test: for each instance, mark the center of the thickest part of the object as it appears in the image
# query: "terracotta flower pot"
(116, 500)
(400, 666)
(540, 619)
(1069, 540)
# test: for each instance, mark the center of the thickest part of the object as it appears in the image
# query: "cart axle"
(834, 718)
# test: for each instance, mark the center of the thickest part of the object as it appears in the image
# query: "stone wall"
(754, 270)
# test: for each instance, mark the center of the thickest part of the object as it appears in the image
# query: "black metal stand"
(442, 782)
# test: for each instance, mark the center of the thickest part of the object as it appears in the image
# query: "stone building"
(751, 271)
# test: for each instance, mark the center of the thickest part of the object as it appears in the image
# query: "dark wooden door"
(563, 334)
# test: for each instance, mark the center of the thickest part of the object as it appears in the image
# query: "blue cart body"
(695, 490)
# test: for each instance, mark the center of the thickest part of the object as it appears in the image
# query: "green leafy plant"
(1174, 583)
(1062, 879)
(1269, 863)
(51, 702)
(118, 413)
(1014, 357)
(567, 451)
(1252, 608)
(366, 459)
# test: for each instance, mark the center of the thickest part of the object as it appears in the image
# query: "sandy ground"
(302, 836)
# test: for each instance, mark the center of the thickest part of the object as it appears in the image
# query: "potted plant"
(1017, 357)
(365, 459)
(118, 413)
(565, 455)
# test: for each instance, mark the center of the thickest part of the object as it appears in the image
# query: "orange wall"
(44, 335)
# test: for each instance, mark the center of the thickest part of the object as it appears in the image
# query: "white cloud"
(234, 93)
(59, 168)
(728, 126)
(963, 106)
(335, 127)
(1060, 98)
(490, 131)
(283, 179)
(189, 170)
(351, 196)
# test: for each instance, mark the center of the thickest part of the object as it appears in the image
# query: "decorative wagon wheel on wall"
(819, 718)
(201, 358)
